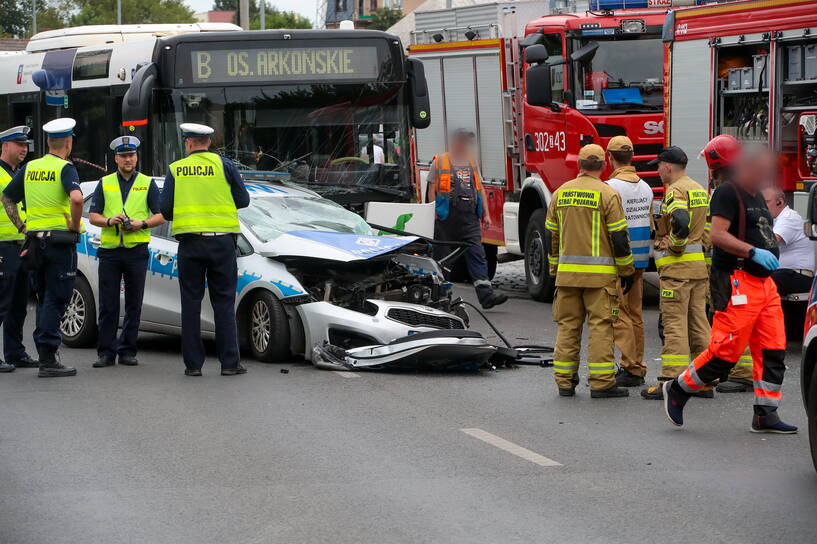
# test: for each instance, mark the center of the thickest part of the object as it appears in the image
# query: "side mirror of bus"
(136, 102)
(538, 86)
(419, 103)
(810, 226)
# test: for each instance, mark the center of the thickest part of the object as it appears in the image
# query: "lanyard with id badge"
(738, 299)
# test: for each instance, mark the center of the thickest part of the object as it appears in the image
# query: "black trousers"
(130, 264)
(210, 260)
(15, 286)
(54, 284)
(789, 282)
(465, 227)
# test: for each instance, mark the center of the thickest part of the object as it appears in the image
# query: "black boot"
(50, 366)
(26, 362)
(610, 392)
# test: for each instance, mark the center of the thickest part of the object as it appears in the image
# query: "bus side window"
(89, 106)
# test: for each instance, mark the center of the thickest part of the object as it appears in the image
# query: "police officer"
(589, 252)
(14, 278)
(201, 196)
(680, 235)
(126, 206)
(53, 202)
(454, 184)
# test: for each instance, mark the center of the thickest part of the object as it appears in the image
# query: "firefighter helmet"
(721, 151)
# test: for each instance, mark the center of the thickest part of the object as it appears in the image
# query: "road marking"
(510, 447)
(346, 374)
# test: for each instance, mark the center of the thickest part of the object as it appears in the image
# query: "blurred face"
(14, 152)
(126, 163)
(461, 146)
(756, 170)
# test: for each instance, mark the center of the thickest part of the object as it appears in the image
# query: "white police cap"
(125, 145)
(60, 128)
(194, 129)
(15, 134)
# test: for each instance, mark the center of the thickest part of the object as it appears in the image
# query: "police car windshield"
(270, 217)
(624, 75)
(327, 137)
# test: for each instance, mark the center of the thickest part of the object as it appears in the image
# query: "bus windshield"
(623, 76)
(345, 141)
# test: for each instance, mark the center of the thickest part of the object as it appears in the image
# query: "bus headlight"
(633, 26)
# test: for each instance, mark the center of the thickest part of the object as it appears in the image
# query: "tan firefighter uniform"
(683, 276)
(582, 216)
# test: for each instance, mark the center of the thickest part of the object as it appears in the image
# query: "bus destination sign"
(273, 65)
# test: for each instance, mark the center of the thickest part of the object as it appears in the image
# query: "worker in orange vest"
(454, 185)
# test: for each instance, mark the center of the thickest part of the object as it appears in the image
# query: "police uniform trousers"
(599, 305)
(686, 327)
(116, 265)
(210, 259)
(629, 327)
(463, 225)
(15, 286)
(758, 324)
(53, 283)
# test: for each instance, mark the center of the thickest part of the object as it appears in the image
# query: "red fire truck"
(598, 75)
(748, 69)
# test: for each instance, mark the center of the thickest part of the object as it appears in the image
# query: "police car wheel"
(267, 328)
(78, 323)
(812, 417)
(537, 276)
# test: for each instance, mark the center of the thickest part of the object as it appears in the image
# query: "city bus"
(327, 109)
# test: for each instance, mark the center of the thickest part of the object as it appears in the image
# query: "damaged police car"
(310, 273)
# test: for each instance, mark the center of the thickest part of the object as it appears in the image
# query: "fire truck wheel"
(540, 283)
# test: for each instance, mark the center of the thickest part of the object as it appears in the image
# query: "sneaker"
(609, 393)
(128, 360)
(494, 300)
(674, 404)
(568, 392)
(240, 369)
(26, 362)
(777, 428)
(5, 367)
(653, 392)
(192, 372)
(735, 385)
(627, 379)
(102, 362)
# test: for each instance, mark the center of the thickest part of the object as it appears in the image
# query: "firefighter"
(744, 297)
(53, 202)
(201, 195)
(636, 198)
(589, 252)
(682, 271)
(720, 154)
(454, 184)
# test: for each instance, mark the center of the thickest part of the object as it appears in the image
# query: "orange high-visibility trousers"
(759, 324)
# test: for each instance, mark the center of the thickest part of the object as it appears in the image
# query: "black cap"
(672, 154)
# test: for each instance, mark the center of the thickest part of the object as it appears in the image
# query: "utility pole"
(119, 12)
(33, 17)
(263, 7)
(244, 14)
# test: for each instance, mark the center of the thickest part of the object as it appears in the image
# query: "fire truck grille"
(414, 318)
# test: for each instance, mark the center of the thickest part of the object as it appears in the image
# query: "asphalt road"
(148, 455)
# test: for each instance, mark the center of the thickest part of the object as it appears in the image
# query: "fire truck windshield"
(623, 76)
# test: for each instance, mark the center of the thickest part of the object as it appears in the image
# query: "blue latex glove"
(766, 259)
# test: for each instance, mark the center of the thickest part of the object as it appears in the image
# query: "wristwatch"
(752, 253)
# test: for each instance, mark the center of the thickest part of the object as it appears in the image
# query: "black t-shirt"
(759, 223)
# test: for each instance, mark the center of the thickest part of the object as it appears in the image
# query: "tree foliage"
(15, 17)
(384, 18)
(275, 17)
(102, 12)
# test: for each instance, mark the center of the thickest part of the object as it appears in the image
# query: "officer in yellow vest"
(201, 196)
(14, 278)
(53, 202)
(454, 184)
(126, 206)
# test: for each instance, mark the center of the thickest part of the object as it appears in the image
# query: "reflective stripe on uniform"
(588, 268)
(583, 263)
(8, 231)
(692, 252)
(674, 359)
(601, 368)
(550, 225)
(624, 261)
(745, 360)
(617, 225)
(562, 367)
(595, 232)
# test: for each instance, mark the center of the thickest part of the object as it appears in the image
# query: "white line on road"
(346, 374)
(510, 447)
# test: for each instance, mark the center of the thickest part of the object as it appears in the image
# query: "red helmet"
(721, 151)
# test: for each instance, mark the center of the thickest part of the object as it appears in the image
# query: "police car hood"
(332, 246)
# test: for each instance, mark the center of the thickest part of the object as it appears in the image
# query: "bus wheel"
(540, 283)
